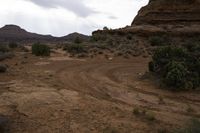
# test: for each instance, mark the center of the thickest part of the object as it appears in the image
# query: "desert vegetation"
(40, 49)
(75, 48)
(160, 40)
(4, 48)
(179, 67)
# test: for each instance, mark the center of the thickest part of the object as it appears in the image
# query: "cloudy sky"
(60, 17)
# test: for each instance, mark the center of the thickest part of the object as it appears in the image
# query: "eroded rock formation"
(171, 16)
(174, 17)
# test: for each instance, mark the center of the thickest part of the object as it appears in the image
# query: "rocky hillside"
(16, 33)
(75, 35)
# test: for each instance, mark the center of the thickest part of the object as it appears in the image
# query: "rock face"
(175, 16)
(184, 12)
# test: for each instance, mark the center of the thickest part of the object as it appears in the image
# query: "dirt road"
(64, 95)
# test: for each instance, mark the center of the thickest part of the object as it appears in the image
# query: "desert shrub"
(192, 127)
(193, 46)
(75, 48)
(163, 56)
(179, 68)
(12, 45)
(4, 48)
(94, 38)
(105, 28)
(40, 49)
(110, 42)
(77, 40)
(150, 116)
(159, 40)
(129, 37)
(136, 111)
(175, 75)
(98, 37)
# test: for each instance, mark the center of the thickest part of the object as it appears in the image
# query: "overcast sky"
(61, 17)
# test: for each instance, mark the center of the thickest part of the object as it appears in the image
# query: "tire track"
(112, 81)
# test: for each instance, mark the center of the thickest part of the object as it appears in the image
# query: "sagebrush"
(40, 49)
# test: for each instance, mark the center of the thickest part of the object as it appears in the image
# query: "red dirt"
(88, 96)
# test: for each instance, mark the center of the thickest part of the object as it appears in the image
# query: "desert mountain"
(16, 33)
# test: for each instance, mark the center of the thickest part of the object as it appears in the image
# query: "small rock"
(3, 68)
(110, 58)
(24, 62)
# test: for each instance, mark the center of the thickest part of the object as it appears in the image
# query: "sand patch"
(42, 63)
(64, 58)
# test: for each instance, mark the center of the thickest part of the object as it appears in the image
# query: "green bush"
(179, 67)
(4, 48)
(75, 48)
(159, 40)
(175, 75)
(165, 55)
(40, 49)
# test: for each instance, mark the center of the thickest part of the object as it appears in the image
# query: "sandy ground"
(64, 95)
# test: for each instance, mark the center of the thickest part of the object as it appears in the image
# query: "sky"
(61, 17)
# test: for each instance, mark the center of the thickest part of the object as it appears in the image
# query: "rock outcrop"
(185, 12)
(173, 17)
(176, 17)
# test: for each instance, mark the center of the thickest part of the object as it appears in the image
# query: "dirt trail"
(62, 95)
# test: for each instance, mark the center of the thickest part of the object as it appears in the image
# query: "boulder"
(4, 56)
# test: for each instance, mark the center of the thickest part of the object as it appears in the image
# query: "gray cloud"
(76, 6)
(112, 17)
